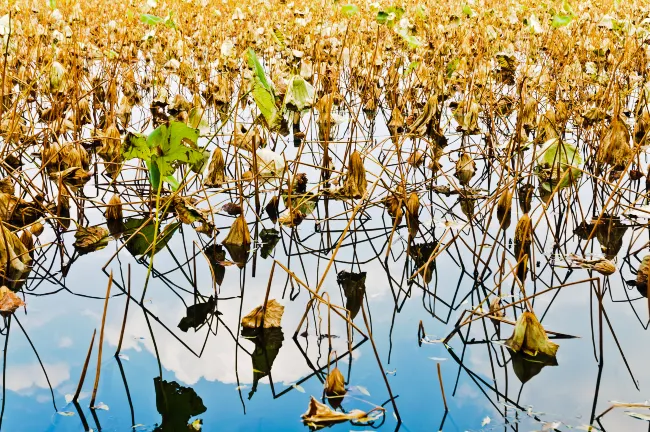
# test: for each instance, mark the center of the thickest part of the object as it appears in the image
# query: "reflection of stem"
(442, 388)
(4, 372)
(38, 357)
(101, 342)
(128, 393)
(85, 368)
(84, 422)
(126, 311)
(381, 368)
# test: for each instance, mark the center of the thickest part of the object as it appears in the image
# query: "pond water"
(167, 379)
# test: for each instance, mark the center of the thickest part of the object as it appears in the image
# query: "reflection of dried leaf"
(91, 238)
(272, 209)
(610, 232)
(319, 415)
(176, 404)
(216, 256)
(421, 254)
(269, 238)
(526, 367)
(9, 301)
(335, 387)
(354, 288)
(268, 342)
(272, 316)
(529, 337)
(197, 314)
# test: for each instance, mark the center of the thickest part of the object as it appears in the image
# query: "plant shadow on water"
(437, 248)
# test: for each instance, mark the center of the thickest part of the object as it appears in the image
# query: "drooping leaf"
(557, 161)
(166, 147)
(265, 102)
(335, 387)
(14, 259)
(272, 316)
(300, 94)
(529, 337)
(258, 71)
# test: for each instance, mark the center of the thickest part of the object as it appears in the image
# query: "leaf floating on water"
(90, 239)
(298, 387)
(271, 316)
(197, 424)
(362, 390)
(65, 413)
(319, 415)
(100, 406)
(486, 421)
(636, 415)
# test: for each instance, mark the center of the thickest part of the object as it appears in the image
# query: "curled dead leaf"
(530, 337)
(9, 301)
(335, 387)
(90, 239)
(319, 415)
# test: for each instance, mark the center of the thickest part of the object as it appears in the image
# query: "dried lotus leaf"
(271, 316)
(530, 337)
(9, 301)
